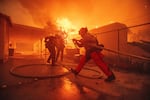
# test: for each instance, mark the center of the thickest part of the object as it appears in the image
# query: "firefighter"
(60, 45)
(92, 50)
(50, 45)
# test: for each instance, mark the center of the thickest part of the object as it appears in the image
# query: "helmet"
(83, 30)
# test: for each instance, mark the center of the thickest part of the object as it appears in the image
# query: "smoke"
(50, 10)
(90, 13)
(18, 14)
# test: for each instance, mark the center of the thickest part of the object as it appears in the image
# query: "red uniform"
(90, 43)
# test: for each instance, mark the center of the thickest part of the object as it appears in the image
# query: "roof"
(109, 27)
(7, 18)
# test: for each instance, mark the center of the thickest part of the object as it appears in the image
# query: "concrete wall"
(5, 25)
(114, 37)
(25, 38)
(110, 36)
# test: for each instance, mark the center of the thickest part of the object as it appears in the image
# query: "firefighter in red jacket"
(93, 50)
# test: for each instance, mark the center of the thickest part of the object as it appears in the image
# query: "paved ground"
(36, 80)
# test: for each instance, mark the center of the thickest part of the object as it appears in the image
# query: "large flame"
(65, 25)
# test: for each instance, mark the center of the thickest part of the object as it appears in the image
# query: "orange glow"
(70, 15)
(64, 70)
(69, 90)
(67, 85)
(82, 13)
(64, 24)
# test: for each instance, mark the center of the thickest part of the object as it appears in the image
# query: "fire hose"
(113, 51)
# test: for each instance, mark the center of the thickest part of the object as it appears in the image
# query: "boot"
(110, 78)
(74, 71)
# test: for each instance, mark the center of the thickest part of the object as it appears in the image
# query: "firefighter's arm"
(77, 42)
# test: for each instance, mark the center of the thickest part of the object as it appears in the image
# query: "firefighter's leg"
(80, 65)
(62, 54)
(53, 53)
(57, 54)
(49, 58)
(101, 64)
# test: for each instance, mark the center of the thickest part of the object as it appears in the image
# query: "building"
(5, 25)
(119, 50)
(26, 39)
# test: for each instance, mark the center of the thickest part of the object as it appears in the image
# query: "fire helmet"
(83, 30)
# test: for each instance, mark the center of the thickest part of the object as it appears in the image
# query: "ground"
(33, 79)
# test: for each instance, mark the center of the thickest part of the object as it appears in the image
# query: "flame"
(65, 25)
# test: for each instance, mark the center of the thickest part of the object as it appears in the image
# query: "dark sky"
(90, 13)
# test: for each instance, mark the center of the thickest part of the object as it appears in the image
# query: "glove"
(74, 40)
(101, 45)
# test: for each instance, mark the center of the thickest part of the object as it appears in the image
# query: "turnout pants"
(98, 59)
(52, 55)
